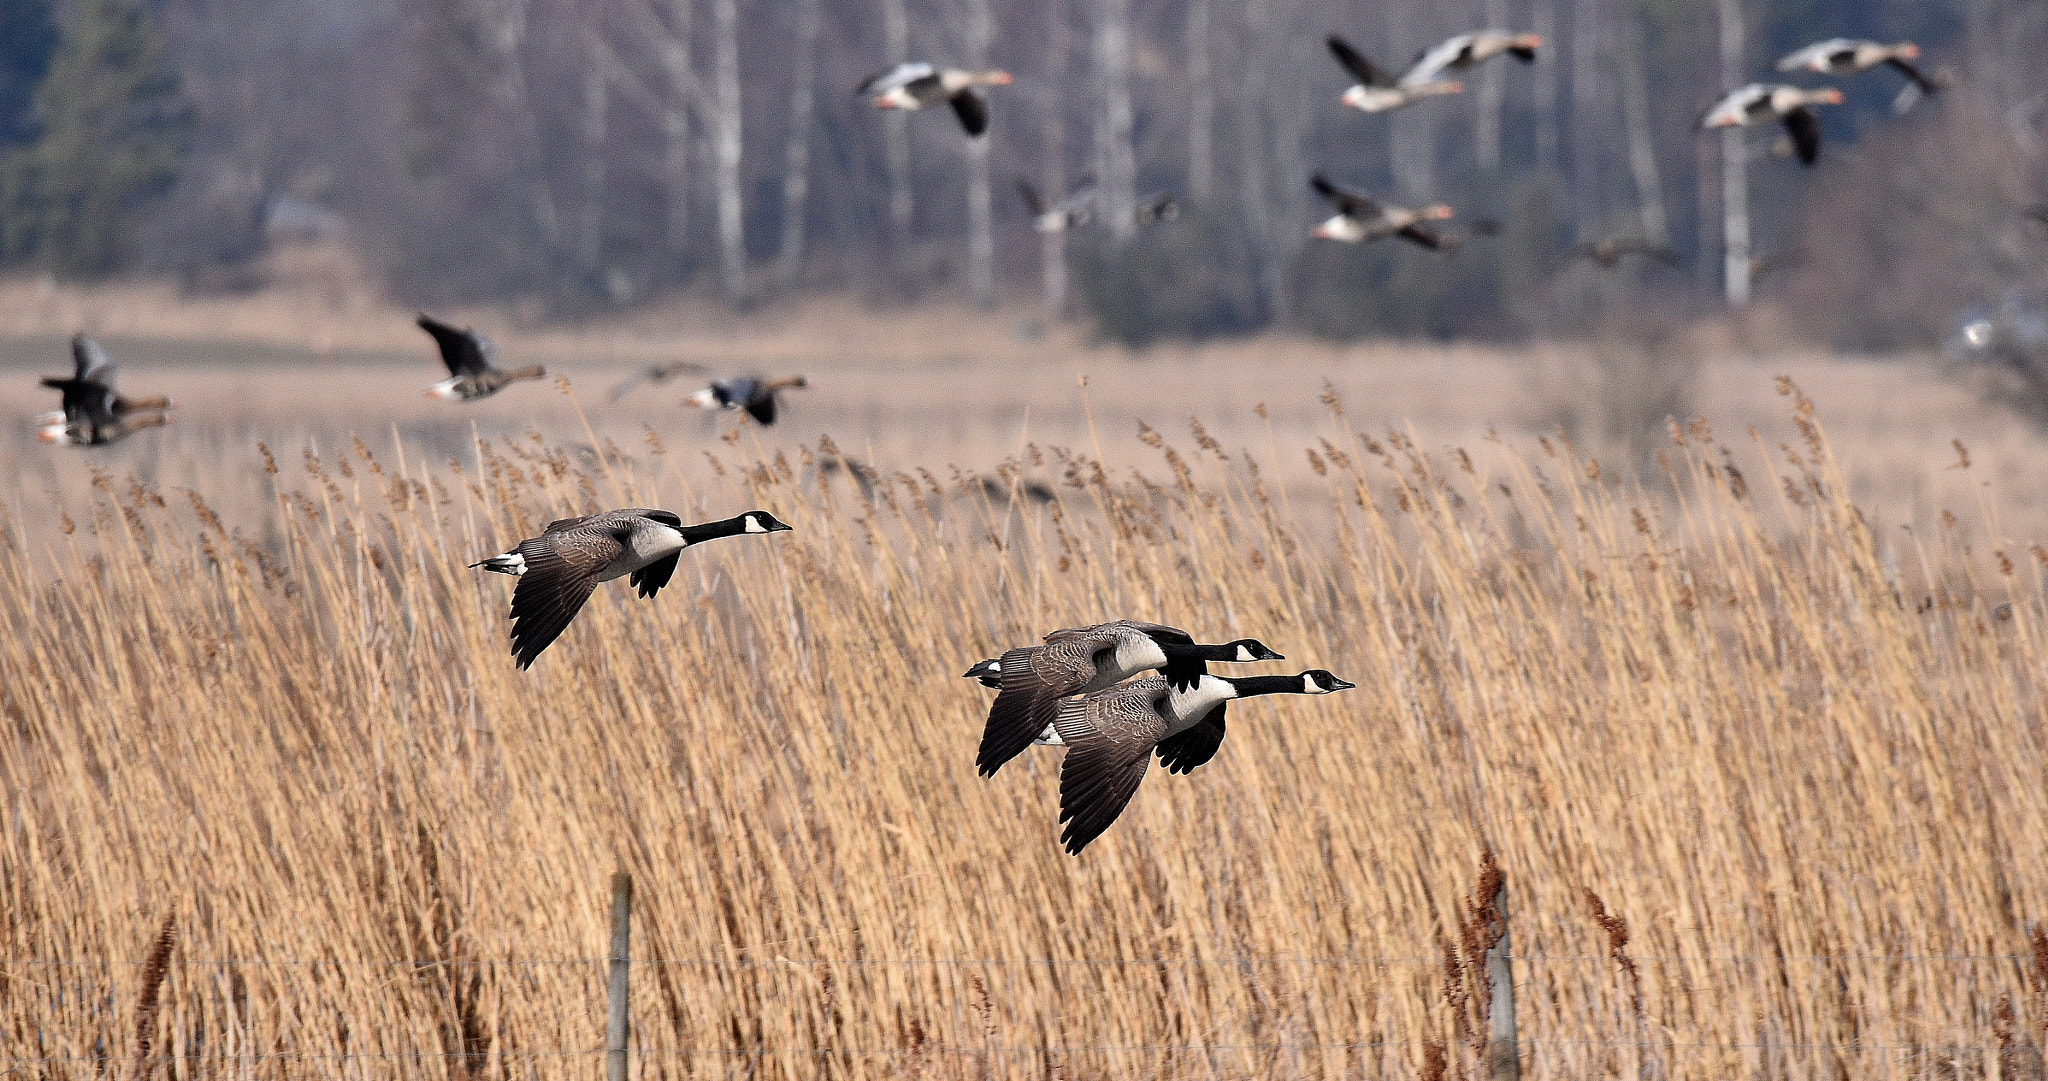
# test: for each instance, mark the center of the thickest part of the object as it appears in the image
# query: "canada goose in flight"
(1763, 102)
(1378, 90)
(1080, 660)
(469, 357)
(89, 401)
(1361, 218)
(1112, 735)
(1607, 252)
(1072, 212)
(1469, 51)
(559, 569)
(87, 434)
(1843, 56)
(916, 84)
(752, 393)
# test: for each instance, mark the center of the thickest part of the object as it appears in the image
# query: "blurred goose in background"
(752, 393)
(469, 357)
(1764, 102)
(1469, 51)
(1072, 212)
(1081, 660)
(89, 401)
(559, 569)
(1111, 736)
(1379, 90)
(1846, 56)
(917, 84)
(1360, 218)
(1157, 207)
(1607, 252)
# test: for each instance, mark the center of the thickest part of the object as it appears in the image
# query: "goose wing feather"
(1110, 737)
(462, 350)
(1803, 124)
(561, 572)
(1035, 678)
(972, 111)
(1344, 199)
(659, 373)
(90, 360)
(1183, 751)
(1355, 62)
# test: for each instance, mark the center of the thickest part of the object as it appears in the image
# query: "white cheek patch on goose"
(1244, 654)
(754, 525)
(1308, 686)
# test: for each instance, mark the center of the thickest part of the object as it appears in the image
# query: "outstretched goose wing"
(1183, 751)
(972, 111)
(1355, 62)
(1345, 200)
(1035, 679)
(1110, 736)
(1804, 126)
(462, 350)
(561, 572)
(659, 373)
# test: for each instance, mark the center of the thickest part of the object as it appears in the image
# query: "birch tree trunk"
(1734, 165)
(1201, 106)
(673, 50)
(1115, 163)
(1642, 149)
(796, 150)
(1587, 125)
(732, 250)
(1253, 148)
(1412, 132)
(1492, 89)
(596, 110)
(896, 127)
(981, 243)
(1543, 23)
(1052, 247)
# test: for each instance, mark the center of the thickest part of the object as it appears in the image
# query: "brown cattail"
(155, 968)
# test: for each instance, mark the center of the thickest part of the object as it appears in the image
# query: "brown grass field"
(1793, 748)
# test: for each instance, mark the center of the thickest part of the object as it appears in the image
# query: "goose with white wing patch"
(559, 569)
(1112, 735)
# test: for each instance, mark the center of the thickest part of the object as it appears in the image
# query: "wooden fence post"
(616, 1029)
(1504, 1061)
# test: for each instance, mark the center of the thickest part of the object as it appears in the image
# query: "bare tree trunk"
(1543, 22)
(1052, 247)
(1253, 149)
(981, 243)
(1413, 134)
(1734, 164)
(896, 127)
(672, 40)
(1707, 209)
(596, 110)
(796, 150)
(1492, 89)
(1201, 106)
(732, 250)
(1642, 149)
(1586, 125)
(1113, 125)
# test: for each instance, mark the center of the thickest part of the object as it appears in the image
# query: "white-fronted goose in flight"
(1764, 102)
(469, 357)
(1360, 218)
(90, 402)
(559, 569)
(1607, 252)
(1468, 51)
(1081, 660)
(1112, 735)
(1844, 56)
(86, 434)
(1072, 212)
(916, 84)
(1379, 90)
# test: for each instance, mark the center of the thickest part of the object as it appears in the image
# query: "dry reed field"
(1764, 785)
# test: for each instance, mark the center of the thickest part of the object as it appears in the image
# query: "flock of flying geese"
(1360, 217)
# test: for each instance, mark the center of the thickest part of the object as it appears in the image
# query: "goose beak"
(884, 103)
(1002, 78)
(1910, 51)
(1342, 685)
(1832, 96)
(1322, 232)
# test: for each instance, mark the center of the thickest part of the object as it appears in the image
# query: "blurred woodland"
(592, 154)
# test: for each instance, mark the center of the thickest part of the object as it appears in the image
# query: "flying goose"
(916, 84)
(1158, 207)
(1378, 90)
(1607, 252)
(1843, 56)
(752, 393)
(1469, 51)
(559, 569)
(1072, 212)
(87, 434)
(1112, 735)
(89, 398)
(469, 356)
(1080, 660)
(1763, 102)
(1360, 218)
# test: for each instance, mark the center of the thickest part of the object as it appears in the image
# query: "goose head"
(1251, 649)
(760, 521)
(1319, 681)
